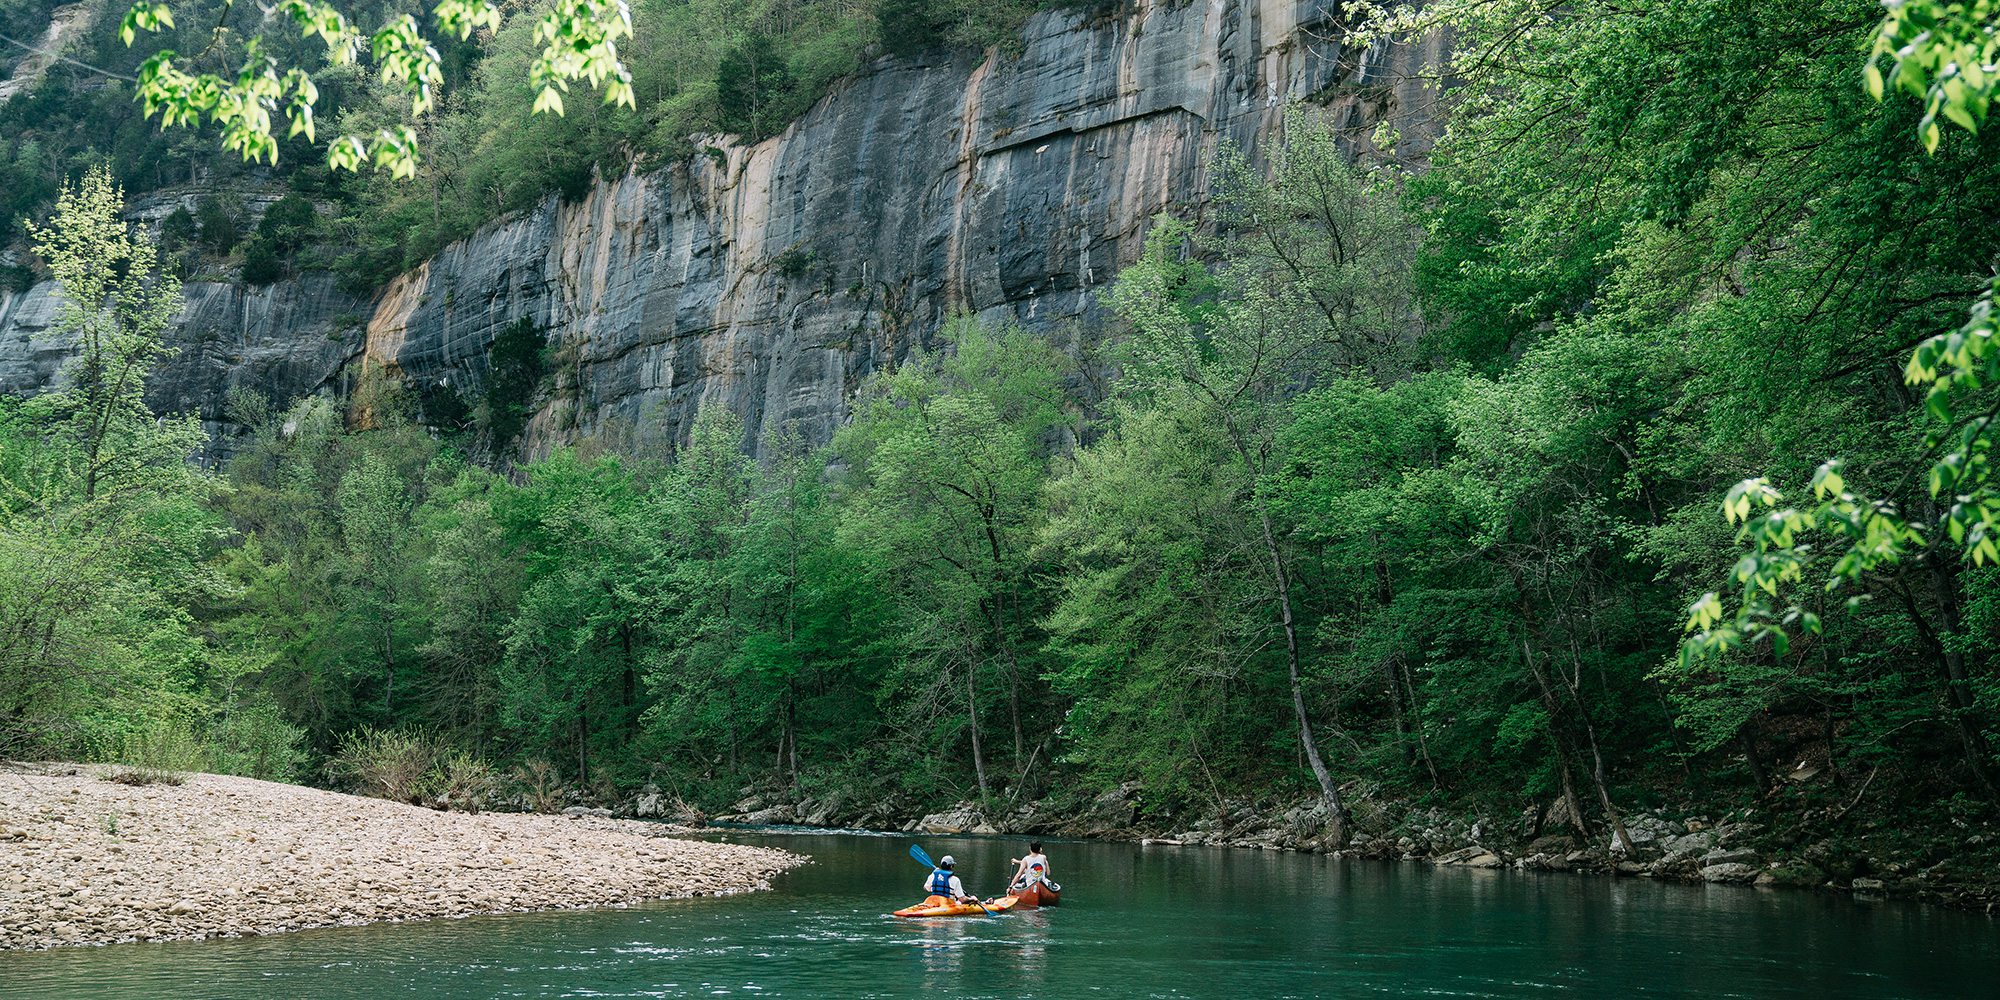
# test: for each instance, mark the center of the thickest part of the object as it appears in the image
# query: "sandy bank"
(88, 861)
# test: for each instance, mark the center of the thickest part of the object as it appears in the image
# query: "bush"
(261, 262)
(16, 277)
(384, 763)
(908, 27)
(516, 365)
(161, 753)
(288, 223)
(411, 766)
(178, 229)
(541, 785)
(219, 228)
(463, 782)
(258, 743)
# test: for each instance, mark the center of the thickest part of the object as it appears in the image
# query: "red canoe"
(1037, 894)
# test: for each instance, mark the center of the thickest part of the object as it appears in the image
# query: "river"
(1136, 922)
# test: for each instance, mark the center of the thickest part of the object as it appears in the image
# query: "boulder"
(1730, 834)
(1729, 856)
(778, 814)
(1693, 842)
(1732, 873)
(1554, 843)
(823, 814)
(1118, 808)
(649, 803)
(961, 818)
(1868, 885)
(1677, 864)
(1648, 831)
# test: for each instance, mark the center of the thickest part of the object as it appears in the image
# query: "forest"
(1631, 453)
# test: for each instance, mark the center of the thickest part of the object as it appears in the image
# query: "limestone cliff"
(771, 278)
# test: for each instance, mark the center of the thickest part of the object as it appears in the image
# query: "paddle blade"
(922, 858)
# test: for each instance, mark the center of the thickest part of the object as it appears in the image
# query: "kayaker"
(941, 881)
(1032, 868)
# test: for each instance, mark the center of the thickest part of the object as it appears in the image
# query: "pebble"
(231, 856)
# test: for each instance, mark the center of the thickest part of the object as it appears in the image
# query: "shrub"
(516, 366)
(541, 785)
(262, 264)
(161, 753)
(288, 223)
(258, 743)
(178, 229)
(219, 228)
(384, 763)
(462, 782)
(411, 766)
(16, 277)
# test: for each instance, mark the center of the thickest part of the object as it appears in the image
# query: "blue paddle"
(925, 860)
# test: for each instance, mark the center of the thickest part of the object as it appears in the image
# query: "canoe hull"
(1038, 894)
(938, 906)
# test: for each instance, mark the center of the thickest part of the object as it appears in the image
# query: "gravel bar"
(84, 860)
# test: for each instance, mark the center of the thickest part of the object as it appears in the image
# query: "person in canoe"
(1031, 868)
(1031, 885)
(943, 882)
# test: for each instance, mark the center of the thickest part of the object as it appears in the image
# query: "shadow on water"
(1137, 922)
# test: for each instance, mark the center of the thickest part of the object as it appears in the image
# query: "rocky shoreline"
(1736, 848)
(86, 860)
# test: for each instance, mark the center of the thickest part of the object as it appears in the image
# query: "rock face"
(772, 278)
(286, 340)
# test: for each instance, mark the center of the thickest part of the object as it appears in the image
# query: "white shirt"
(1028, 864)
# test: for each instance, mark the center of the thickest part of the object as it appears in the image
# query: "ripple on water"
(1139, 923)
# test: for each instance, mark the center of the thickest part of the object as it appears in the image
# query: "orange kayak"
(938, 906)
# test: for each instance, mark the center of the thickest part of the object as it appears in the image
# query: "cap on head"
(947, 862)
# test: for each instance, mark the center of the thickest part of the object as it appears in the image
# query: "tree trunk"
(1751, 759)
(1282, 586)
(1570, 800)
(1958, 686)
(972, 714)
(389, 657)
(1620, 840)
(1416, 726)
(1329, 791)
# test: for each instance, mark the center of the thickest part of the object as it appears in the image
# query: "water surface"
(1136, 922)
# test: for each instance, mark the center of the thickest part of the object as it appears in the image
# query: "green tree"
(752, 84)
(104, 530)
(1305, 282)
(947, 456)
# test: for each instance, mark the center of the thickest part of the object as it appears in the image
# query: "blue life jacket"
(941, 882)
